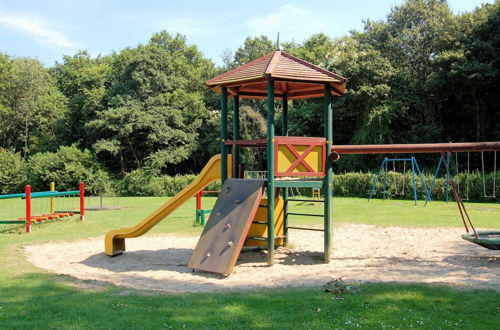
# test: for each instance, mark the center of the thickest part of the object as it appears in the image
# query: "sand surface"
(361, 253)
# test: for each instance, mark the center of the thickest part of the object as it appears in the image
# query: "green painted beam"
(270, 172)
(284, 132)
(236, 135)
(12, 222)
(284, 123)
(328, 179)
(55, 194)
(223, 133)
(23, 195)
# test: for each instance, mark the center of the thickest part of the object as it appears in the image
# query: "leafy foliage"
(67, 167)
(422, 74)
(31, 106)
(155, 105)
(13, 172)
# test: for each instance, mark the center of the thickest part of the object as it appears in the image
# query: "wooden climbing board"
(224, 234)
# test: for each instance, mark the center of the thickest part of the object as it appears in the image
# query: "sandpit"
(362, 253)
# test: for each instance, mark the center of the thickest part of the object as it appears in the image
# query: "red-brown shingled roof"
(292, 76)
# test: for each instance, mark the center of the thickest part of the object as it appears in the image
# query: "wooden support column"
(236, 135)
(270, 172)
(223, 134)
(284, 132)
(327, 181)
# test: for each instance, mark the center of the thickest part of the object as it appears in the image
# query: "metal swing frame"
(414, 166)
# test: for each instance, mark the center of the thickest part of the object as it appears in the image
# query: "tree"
(253, 48)
(411, 39)
(467, 77)
(155, 105)
(31, 106)
(85, 82)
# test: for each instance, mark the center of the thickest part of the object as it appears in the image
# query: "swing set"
(447, 165)
(414, 166)
(487, 239)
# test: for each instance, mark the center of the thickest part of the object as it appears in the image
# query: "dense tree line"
(422, 74)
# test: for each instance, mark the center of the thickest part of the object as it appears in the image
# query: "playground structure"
(414, 165)
(292, 162)
(51, 207)
(200, 216)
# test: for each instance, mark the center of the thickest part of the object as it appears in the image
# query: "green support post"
(270, 172)
(284, 132)
(223, 134)
(236, 135)
(327, 183)
(284, 129)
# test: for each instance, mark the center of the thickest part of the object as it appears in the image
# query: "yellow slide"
(114, 242)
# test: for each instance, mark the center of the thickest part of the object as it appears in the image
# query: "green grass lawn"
(33, 298)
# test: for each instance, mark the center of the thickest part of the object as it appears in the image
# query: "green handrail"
(55, 193)
(41, 194)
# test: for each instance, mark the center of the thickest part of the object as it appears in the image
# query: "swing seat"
(487, 239)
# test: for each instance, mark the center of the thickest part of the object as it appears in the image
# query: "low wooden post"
(52, 199)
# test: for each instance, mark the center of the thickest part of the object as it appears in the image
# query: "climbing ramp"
(227, 227)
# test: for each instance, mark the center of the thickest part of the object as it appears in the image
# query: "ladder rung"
(260, 222)
(264, 239)
(256, 238)
(11, 221)
(306, 214)
(304, 228)
(306, 200)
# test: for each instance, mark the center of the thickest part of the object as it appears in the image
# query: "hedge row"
(400, 186)
(348, 185)
(70, 165)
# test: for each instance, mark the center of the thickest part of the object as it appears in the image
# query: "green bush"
(67, 167)
(144, 182)
(13, 172)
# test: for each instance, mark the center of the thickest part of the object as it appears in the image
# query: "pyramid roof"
(296, 78)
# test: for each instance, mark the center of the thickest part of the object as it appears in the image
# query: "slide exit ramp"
(114, 241)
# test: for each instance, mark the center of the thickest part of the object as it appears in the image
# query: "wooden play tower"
(292, 162)
(241, 217)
